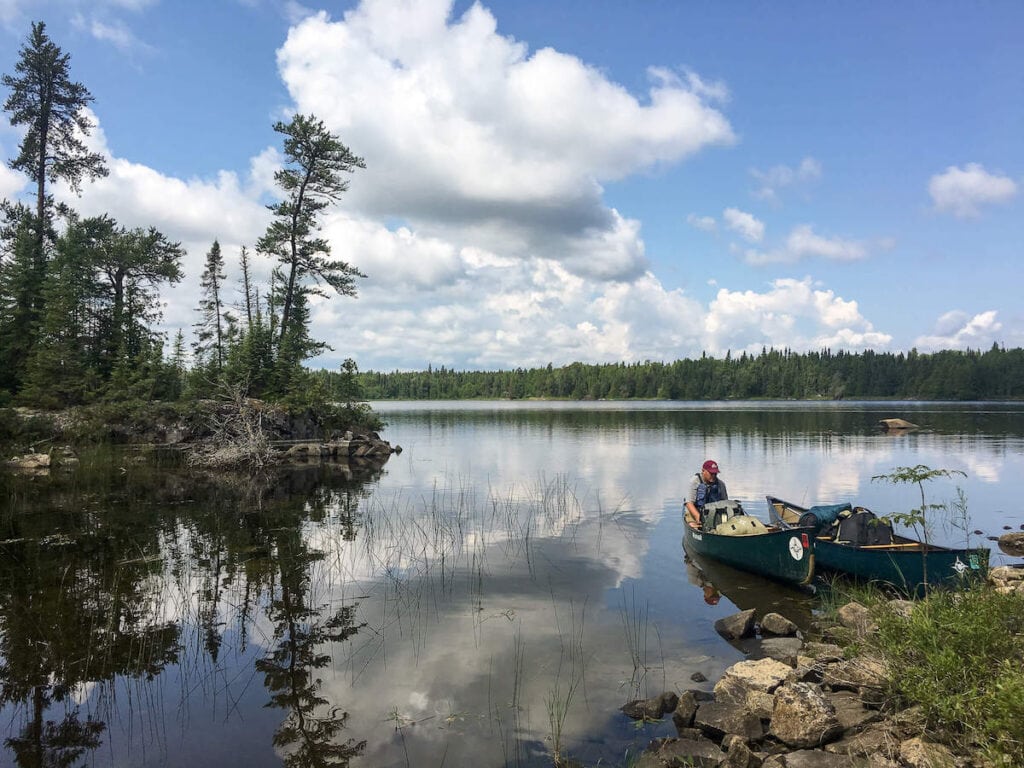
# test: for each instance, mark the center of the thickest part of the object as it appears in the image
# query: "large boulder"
(744, 677)
(717, 719)
(866, 675)
(784, 649)
(684, 712)
(803, 718)
(778, 625)
(737, 626)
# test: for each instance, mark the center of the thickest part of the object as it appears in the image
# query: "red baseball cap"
(710, 466)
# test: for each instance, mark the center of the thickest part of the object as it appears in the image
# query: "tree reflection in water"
(88, 561)
(307, 735)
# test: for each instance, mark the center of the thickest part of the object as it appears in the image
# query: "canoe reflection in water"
(747, 590)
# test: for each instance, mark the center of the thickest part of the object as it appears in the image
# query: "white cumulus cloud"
(804, 243)
(963, 191)
(960, 330)
(749, 227)
(794, 314)
(466, 131)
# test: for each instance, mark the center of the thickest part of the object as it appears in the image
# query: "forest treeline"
(997, 374)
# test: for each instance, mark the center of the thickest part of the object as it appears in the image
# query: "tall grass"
(572, 667)
(957, 656)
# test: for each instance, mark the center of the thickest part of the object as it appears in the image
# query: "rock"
(303, 451)
(902, 608)
(737, 626)
(668, 753)
(815, 758)
(839, 635)
(651, 709)
(1012, 544)
(685, 709)
(30, 461)
(760, 703)
(1007, 579)
(716, 719)
(778, 625)
(877, 739)
(739, 755)
(806, 671)
(851, 712)
(823, 651)
(896, 424)
(918, 753)
(864, 674)
(697, 677)
(783, 649)
(856, 617)
(803, 717)
(746, 676)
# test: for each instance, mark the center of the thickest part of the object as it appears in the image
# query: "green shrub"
(957, 657)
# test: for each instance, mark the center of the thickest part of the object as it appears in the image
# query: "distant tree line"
(997, 374)
(80, 296)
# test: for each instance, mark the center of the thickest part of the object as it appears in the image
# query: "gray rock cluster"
(800, 704)
(368, 447)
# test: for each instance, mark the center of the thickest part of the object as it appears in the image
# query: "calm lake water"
(490, 596)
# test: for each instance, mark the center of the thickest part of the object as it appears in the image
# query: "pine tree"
(62, 370)
(311, 181)
(210, 330)
(52, 110)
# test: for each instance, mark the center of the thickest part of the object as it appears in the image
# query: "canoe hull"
(783, 555)
(907, 565)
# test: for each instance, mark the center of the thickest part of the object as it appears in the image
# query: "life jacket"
(706, 493)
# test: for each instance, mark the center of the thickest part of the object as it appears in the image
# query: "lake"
(490, 597)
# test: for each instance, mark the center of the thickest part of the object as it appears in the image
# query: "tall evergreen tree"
(45, 100)
(209, 344)
(132, 264)
(249, 297)
(62, 370)
(311, 180)
(51, 108)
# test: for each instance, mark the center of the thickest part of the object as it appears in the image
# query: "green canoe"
(781, 554)
(905, 563)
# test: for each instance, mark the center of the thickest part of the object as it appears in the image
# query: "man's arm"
(692, 515)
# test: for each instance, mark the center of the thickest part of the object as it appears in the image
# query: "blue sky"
(582, 180)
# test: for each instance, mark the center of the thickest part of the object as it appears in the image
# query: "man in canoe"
(705, 487)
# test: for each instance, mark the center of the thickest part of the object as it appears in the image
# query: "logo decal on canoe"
(796, 549)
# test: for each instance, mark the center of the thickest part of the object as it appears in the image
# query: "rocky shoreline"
(211, 435)
(801, 702)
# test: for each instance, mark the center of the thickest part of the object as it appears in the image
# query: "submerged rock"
(1012, 544)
